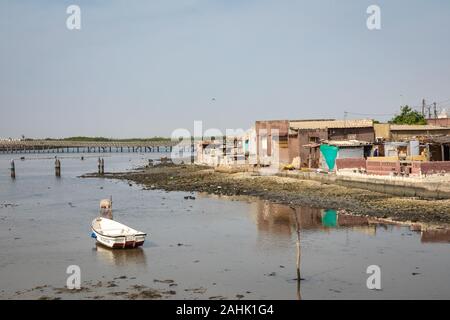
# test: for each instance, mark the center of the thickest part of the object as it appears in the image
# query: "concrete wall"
(394, 186)
(272, 129)
(397, 135)
(382, 130)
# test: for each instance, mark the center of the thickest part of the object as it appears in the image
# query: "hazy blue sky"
(144, 68)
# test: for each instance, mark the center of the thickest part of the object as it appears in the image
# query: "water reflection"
(435, 236)
(285, 221)
(279, 219)
(121, 257)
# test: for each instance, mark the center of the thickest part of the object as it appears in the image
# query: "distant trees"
(408, 116)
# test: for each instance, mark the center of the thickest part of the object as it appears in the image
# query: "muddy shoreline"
(285, 190)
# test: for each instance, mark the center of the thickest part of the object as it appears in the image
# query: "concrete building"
(228, 151)
(405, 132)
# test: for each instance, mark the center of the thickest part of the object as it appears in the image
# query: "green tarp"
(330, 154)
(329, 218)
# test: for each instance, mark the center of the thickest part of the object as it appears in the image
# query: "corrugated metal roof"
(334, 124)
(406, 127)
(347, 143)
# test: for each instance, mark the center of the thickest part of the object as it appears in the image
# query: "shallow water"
(209, 247)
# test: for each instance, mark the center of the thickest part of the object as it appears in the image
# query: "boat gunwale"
(103, 235)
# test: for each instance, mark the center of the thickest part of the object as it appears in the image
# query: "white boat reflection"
(127, 257)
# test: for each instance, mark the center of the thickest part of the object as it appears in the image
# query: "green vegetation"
(408, 116)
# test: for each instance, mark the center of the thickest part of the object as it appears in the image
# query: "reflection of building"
(280, 219)
(273, 218)
(435, 235)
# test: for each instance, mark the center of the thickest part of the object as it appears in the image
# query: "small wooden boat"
(116, 235)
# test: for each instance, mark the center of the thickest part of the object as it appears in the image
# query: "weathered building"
(298, 141)
(312, 133)
(405, 132)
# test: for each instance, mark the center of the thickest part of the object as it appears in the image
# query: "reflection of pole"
(297, 227)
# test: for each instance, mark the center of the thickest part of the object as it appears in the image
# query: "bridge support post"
(57, 167)
(13, 170)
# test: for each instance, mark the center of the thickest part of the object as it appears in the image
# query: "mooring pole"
(13, 169)
(192, 150)
(297, 227)
(57, 167)
(99, 166)
(103, 166)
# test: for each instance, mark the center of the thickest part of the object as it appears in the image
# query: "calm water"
(208, 246)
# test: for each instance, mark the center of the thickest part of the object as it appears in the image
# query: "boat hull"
(121, 242)
(131, 239)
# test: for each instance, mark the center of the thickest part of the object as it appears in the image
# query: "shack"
(311, 133)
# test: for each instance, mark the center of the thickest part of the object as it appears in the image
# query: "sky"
(145, 68)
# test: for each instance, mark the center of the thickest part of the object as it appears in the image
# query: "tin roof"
(346, 143)
(333, 124)
(407, 127)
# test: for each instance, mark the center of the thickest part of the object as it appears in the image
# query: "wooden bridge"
(63, 146)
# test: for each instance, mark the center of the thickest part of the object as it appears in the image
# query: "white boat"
(116, 235)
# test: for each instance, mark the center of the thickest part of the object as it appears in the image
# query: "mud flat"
(287, 190)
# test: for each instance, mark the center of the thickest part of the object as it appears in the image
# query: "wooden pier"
(62, 146)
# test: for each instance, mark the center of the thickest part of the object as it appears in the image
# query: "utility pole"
(423, 107)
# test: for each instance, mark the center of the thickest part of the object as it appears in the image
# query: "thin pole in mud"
(192, 149)
(13, 169)
(297, 227)
(99, 166)
(57, 168)
(103, 166)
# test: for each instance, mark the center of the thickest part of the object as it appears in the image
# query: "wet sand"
(288, 191)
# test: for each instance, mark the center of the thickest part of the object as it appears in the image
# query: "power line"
(369, 114)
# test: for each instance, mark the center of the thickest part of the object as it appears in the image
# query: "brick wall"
(435, 167)
(443, 122)
(382, 168)
(351, 163)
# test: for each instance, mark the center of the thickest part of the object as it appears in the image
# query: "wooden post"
(297, 226)
(99, 165)
(103, 166)
(192, 150)
(13, 169)
(57, 167)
